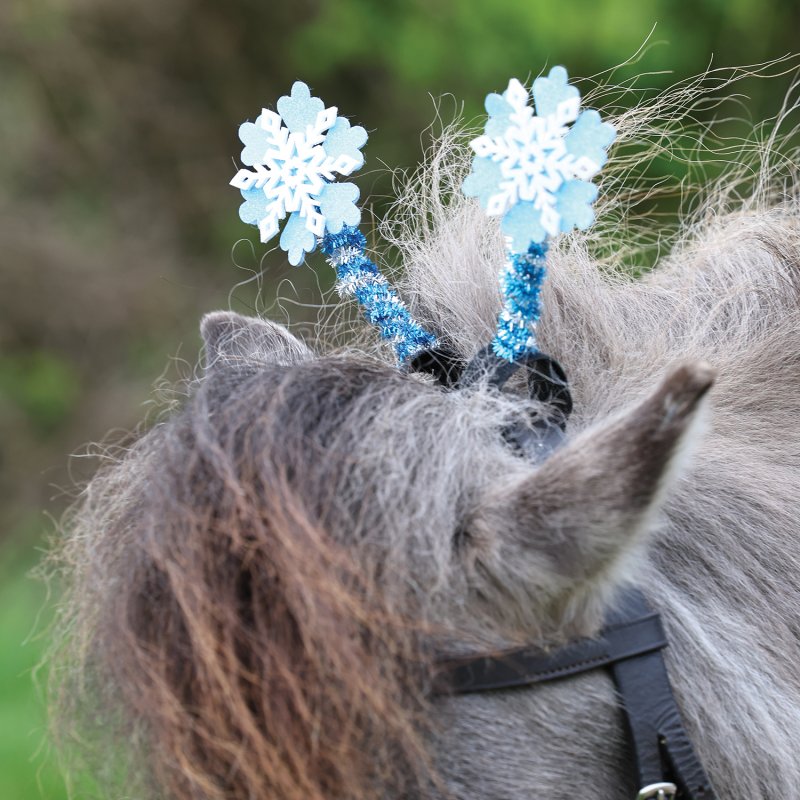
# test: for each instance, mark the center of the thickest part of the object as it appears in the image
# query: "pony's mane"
(227, 622)
(206, 600)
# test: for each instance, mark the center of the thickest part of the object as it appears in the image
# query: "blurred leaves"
(43, 385)
(26, 768)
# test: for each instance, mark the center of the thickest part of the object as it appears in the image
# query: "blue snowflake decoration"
(534, 169)
(295, 155)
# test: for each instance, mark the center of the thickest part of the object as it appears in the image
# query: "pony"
(259, 587)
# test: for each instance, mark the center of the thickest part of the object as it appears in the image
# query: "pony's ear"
(231, 338)
(565, 527)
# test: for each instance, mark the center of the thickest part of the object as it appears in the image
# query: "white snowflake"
(533, 157)
(293, 171)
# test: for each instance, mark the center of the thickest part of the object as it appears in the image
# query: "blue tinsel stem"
(359, 277)
(521, 284)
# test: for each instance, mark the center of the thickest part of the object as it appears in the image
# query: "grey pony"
(680, 474)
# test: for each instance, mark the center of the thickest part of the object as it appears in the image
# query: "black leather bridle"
(632, 640)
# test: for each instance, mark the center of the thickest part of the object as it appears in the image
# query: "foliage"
(26, 766)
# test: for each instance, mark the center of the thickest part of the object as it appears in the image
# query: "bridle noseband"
(631, 642)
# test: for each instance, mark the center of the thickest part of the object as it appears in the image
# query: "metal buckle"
(658, 791)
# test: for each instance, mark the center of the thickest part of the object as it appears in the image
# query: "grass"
(27, 770)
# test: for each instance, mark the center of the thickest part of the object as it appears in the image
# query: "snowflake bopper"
(295, 155)
(532, 168)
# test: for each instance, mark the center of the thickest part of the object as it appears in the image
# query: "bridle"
(632, 640)
(630, 645)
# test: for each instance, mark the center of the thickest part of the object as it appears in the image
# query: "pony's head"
(468, 537)
(264, 580)
(262, 584)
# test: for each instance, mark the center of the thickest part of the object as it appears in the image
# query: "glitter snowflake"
(533, 169)
(296, 155)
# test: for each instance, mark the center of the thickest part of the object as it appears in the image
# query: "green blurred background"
(118, 230)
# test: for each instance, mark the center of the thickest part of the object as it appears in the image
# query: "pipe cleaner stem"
(358, 277)
(521, 285)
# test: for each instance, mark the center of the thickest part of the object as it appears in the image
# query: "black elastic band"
(445, 366)
(547, 381)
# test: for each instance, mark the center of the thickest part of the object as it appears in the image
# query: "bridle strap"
(631, 645)
(662, 748)
(529, 666)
